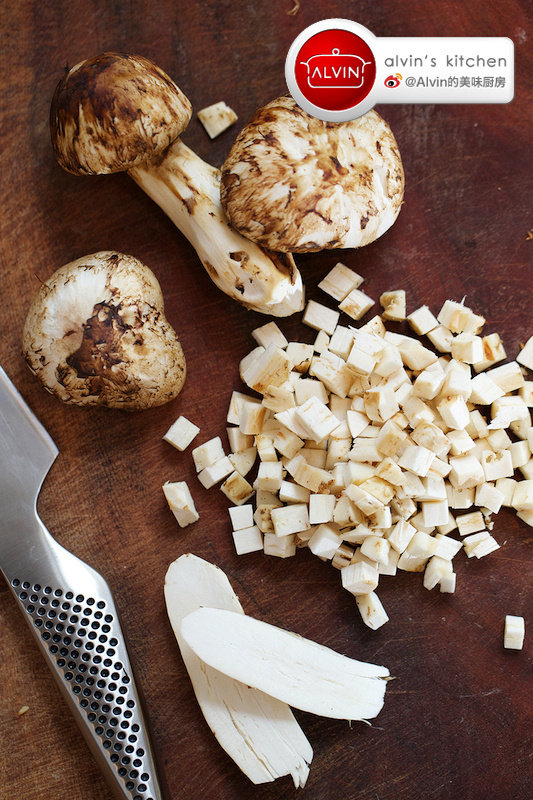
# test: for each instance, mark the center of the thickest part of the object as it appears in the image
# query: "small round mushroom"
(119, 112)
(96, 334)
(292, 182)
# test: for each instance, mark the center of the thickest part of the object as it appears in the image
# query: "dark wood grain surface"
(458, 721)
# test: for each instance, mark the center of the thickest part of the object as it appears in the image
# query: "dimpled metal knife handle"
(76, 625)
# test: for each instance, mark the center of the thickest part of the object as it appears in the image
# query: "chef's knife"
(70, 610)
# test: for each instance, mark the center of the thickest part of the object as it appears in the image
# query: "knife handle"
(73, 617)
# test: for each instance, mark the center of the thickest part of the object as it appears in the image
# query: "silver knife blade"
(70, 610)
(27, 451)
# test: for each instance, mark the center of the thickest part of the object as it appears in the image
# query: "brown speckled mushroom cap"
(114, 112)
(294, 183)
(96, 334)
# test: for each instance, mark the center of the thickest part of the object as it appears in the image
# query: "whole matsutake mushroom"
(120, 112)
(96, 334)
(295, 183)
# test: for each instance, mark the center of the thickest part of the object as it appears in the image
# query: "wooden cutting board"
(458, 721)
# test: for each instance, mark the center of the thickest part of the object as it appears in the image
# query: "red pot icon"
(335, 70)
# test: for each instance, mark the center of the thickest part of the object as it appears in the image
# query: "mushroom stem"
(187, 189)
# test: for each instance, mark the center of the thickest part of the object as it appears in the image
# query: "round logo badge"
(330, 70)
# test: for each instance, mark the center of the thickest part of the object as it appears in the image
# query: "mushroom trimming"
(96, 334)
(294, 183)
(119, 112)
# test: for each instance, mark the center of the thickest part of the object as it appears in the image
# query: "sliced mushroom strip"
(295, 183)
(96, 334)
(295, 670)
(122, 113)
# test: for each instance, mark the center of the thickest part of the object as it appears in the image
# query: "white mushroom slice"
(305, 674)
(294, 183)
(257, 731)
(118, 113)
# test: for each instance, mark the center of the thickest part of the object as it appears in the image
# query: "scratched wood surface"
(458, 721)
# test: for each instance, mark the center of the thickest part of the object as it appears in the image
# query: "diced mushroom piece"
(217, 118)
(441, 338)
(514, 632)
(422, 320)
(394, 305)
(271, 367)
(316, 419)
(493, 351)
(458, 318)
(522, 499)
(340, 281)
(241, 516)
(470, 523)
(436, 569)
(371, 609)
(181, 433)
(279, 546)
(247, 540)
(360, 578)
(206, 454)
(321, 508)
(237, 489)
(508, 377)
(269, 334)
(320, 317)
(356, 304)
(325, 542)
(489, 497)
(295, 183)
(479, 544)
(215, 473)
(119, 112)
(181, 504)
(497, 464)
(290, 519)
(525, 356)
(244, 460)
(484, 390)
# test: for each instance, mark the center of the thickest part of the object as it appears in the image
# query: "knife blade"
(70, 610)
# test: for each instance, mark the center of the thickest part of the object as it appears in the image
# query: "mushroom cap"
(96, 334)
(113, 112)
(294, 183)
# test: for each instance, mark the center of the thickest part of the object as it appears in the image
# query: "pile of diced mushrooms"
(376, 452)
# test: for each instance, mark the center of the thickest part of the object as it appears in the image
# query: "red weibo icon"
(393, 81)
(335, 69)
